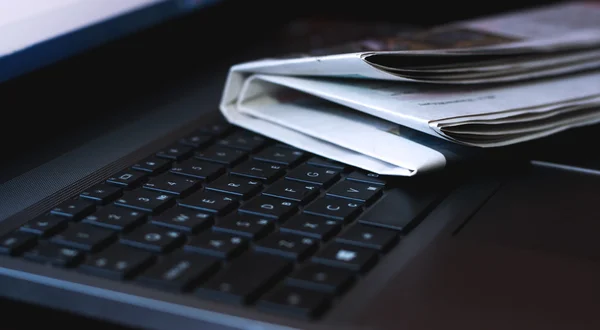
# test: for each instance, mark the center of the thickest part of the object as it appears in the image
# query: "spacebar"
(399, 209)
(246, 278)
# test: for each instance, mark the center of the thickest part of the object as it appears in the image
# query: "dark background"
(84, 95)
(182, 49)
(88, 94)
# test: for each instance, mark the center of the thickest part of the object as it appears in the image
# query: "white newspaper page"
(416, 106)
(482, 117)
(496, 39)
(420, 107)
(297, 139)
(510, 118)
(502, 133)
(349, 129)
(517, 64)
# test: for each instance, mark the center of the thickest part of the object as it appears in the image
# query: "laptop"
(126, 201)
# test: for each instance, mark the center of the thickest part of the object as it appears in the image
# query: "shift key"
(399, 209)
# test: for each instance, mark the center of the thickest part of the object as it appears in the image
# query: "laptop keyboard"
(228, 215)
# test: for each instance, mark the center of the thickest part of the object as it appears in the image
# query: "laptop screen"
(37, 33)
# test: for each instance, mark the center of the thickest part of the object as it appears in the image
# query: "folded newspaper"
(412, 103)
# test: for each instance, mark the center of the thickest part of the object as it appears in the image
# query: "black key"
(221, 155)
(260, 272)
(172, 184)
(243, 140)
(322, 162)
(175, 152)
(128, 178)
(369, 237)
(74, 209)
(210, 201)
(279, 155)
(334, 208)
(118, 262)
(56, 255)
(197, 139)
(287, 245)
(399, 209)
(216, 129)
(145, 200)
(259, 170)
(46, 225)
(16, 242)
(312, 226)
(84, 237)
(117, 218)
(296, 191)
(356, 191)
(345, 256)
(153, 238)
(321, 278)
(245, 225)
(179, 271)
(184, 219)
(270, 207)
(285, 146)
(152, 165)
(242, 187)
(366, 177)
(314, 174)
(198, 169)
(296, 302)
(218, 244)
(101, 193)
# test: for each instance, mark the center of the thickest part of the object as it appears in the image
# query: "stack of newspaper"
(411, 103)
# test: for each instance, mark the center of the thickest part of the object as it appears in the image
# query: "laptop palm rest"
(528, 259)
(546, 210)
